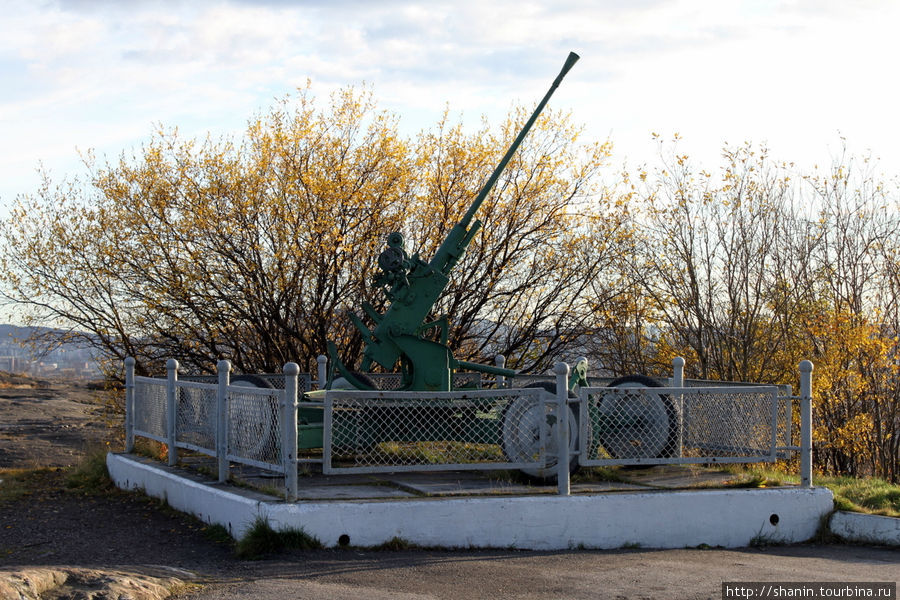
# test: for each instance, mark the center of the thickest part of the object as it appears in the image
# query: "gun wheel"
(521, 434)
(637, 425)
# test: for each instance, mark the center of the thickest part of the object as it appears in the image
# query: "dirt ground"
(46, 427)
(96, 544)
(46, 423)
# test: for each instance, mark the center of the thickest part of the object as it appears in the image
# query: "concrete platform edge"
(870, 529)
(728, 518)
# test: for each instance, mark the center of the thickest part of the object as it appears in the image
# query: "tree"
(253, 250)
(714, 262)
(746, 273)
(854, 334)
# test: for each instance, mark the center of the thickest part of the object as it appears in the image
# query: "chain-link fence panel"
(631, 423)
(520, 381)
(393, 381)
(386, 381)
(740, 423)
(656, 425)
(467, 380)
(788, 414)
(523, 381)
(150, 408)
(254, 426)
(195, 422)
(198, 378)
(274, 380)
(388, 431)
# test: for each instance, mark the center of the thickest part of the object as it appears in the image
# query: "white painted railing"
(501, 428)
(230, 421)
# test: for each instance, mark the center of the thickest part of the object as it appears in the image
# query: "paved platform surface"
(316, 486)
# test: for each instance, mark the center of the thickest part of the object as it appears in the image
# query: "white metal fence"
(502, 428)
(233, 421)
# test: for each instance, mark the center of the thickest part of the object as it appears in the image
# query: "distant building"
(70, 360)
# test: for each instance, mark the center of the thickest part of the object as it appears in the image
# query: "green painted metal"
(413, 286)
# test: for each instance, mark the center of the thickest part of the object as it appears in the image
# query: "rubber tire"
(668, 445)
(254, 380)
(359, 375)
(547, 474)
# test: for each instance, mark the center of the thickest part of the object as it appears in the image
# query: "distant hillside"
(16, 332)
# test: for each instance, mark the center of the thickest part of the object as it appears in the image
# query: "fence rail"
(245, 421)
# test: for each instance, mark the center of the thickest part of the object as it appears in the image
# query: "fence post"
(562, 425)
(223, 367)
(677, 372)
(289, 430)
(129, 403)
(806, 369)
(500, 361)
(678, 381)
(171, 408)
(322, 370)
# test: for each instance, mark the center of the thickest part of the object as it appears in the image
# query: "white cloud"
(99, 74)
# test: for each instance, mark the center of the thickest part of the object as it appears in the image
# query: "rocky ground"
(60, 535)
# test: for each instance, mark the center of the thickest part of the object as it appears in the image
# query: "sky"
(797, 76)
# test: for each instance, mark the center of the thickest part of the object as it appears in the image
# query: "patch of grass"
(872, 496)
(758, 477)
(18, 483)
(10, 380)
(864, 495)
(90, 476)
(753, 480)
(395, 544)
(761, 540)
(823, 534)
(261, 540)
(598, 474)
(207, 471)
(268, 490)
(512, 476)
(217, 534)
(438, 452)
(151, 449)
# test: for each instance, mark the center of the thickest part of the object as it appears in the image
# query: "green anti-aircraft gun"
(413, 286)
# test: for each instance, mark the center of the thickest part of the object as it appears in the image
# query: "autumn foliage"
(252, 249)
(747, 271)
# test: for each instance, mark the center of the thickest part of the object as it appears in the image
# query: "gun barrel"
(470, 214)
